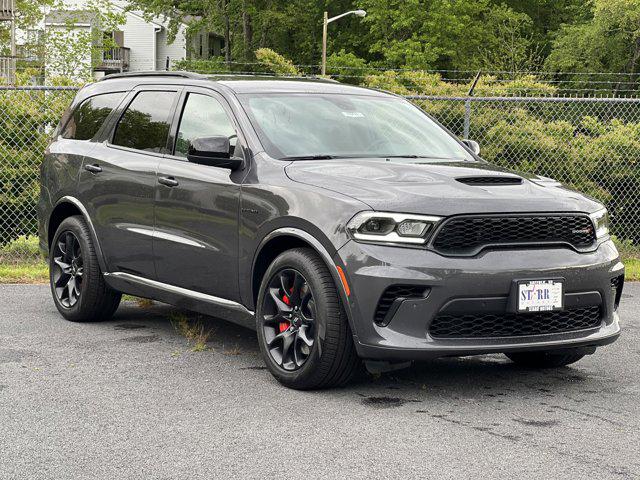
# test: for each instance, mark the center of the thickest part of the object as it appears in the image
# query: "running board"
(182, 298)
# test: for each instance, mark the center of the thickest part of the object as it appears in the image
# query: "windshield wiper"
(410, 156)
(310, 157)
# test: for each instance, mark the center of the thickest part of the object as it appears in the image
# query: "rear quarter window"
(88, 117)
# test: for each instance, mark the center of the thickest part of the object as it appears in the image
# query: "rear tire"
(544, 359)
(331, 360)
(78, 288)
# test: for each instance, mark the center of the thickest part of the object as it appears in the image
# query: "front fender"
(323, 247)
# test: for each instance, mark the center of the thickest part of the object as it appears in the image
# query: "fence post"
(467, 118)
(467, 106)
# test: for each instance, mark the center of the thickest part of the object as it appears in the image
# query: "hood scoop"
(490, 180)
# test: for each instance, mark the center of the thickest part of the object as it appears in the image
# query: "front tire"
(302, 327)
(544, 359)
(78, 288)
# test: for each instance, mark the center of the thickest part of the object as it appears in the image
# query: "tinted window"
(145, 123)
(87, 119)
(203, 116)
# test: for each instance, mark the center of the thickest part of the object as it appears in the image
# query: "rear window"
(145, 123)
(87, 119)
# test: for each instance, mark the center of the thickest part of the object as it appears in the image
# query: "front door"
(196, 230)
(118, 181)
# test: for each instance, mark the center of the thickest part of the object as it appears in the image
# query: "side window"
(87, 119)
(202, 116)
(145, 123)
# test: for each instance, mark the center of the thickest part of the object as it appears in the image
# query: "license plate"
(540, 296)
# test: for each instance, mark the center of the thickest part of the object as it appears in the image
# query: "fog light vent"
(616, 284)
(392, 297)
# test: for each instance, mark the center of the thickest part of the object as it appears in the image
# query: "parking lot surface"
(129, 399)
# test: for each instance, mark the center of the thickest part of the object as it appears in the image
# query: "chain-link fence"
(591, 144)
(27, 117)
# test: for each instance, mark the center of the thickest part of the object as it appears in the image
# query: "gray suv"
(343, 224)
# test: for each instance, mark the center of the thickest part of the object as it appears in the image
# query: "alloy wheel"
(288, 320)
(67, 269)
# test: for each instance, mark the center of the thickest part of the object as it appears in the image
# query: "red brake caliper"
(284, 325)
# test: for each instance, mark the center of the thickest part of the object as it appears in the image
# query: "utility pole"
(325, 23)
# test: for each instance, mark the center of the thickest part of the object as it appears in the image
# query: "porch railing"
(7, 69)
(115, 59)
(6, 9)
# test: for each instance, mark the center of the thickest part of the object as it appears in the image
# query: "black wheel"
(544, 359)
(302, 327)
(79, 291)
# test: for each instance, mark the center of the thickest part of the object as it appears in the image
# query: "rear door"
(196, 238)
(118, 180)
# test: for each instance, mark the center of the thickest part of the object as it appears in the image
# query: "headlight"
(382, 227)
(600, 221)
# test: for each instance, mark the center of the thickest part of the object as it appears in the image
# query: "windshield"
(310, 126)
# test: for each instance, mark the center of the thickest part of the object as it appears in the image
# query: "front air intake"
(391, 299)
(493, 325)
(468, 235)
(490, 180)
(616, 285)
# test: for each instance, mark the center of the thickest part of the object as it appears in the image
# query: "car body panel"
(120, 200)
(430, 187)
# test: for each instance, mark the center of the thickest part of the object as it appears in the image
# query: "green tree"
(607, 42)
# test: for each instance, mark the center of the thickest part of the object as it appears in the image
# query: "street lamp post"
(325, 24)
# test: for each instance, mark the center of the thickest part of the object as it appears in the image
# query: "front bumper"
(484, 281)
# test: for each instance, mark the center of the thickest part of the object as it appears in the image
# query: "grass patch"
(139, 301)
(632, 269)
(193, 329)
(36, 271)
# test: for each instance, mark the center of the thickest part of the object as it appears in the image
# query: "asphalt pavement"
(129, 399)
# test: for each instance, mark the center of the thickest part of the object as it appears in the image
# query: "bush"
(212, 65)
(21, 247)
(347, 67)
(276, 63)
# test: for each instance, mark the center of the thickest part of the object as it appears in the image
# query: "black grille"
(468, 235)
(514, 325)
(490, 180)
(393, 293)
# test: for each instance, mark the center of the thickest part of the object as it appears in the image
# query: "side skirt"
(182, 298)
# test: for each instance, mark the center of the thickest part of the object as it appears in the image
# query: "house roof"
(74, 17)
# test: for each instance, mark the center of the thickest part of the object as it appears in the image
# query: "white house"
(141, 44)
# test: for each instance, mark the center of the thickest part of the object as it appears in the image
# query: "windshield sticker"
(353, 114)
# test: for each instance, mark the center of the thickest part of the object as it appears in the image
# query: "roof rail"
(153, 74)
(258, 76)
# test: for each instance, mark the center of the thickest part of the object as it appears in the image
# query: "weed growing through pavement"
(144, 302)
(193, 329)
(234, 351)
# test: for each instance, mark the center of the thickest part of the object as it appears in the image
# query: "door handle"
(93, 168)
(168, 181)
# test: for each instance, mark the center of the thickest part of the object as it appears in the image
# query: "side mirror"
(472, 145)
(213, 151)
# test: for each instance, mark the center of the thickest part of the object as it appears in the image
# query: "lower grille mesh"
(513, 325)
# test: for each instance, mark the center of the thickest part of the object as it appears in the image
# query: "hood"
(439, 188)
